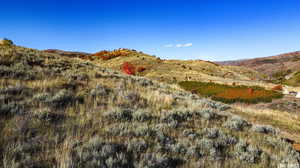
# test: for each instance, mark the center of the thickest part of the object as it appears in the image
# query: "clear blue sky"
(176, 29)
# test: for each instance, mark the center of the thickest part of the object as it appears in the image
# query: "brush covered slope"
(280, 68)
(68, 113)
(171, 70)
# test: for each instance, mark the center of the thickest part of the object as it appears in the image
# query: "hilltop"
(172, 71)
(280, 68)
(60, 111)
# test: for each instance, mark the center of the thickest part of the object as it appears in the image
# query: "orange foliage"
(128, 68)
(296, 147)
(106, 55)
(242, 93)
(277, 87)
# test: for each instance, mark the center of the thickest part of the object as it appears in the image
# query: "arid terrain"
(127, 109)
(283, 68)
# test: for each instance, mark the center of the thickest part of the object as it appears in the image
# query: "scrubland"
(65, 113)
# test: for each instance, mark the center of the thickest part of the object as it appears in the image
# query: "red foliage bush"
(128, 68)
(141, 69)
(277, 87)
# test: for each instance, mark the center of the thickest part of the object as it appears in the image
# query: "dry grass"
(287, 122)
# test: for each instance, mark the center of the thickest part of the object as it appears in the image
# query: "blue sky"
(171, 29)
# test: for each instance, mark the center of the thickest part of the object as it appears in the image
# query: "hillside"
(281, 68)
(172, 71)
(59, 111)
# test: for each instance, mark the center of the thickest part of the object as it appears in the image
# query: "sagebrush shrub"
(247, 153)
(11, 109)
(21, 155)
(236, 123)
(136, 145)
(61, 98)
(13, 90)
(100, 90)
(208, 114)
(158, 160)
(142, 115)
(119, 114)
(265, 129)
(98, 153)
(42, 97)
(190, 133)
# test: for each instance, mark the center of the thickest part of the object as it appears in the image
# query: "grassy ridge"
(230, 94)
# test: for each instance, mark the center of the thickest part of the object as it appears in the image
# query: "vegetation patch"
(107, 55)
(294, 80)
(230, 94)
(128, 68)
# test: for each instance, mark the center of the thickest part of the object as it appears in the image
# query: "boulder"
(285, 92)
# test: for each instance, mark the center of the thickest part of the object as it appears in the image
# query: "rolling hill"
(281, 68)
(61, 111)
(173, 71)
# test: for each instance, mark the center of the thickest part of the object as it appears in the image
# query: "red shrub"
(141, 69)
(128, 68)
(107, 55)
(277, 87)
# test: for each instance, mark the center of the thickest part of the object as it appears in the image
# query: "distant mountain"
(283, 67)
(67, 53)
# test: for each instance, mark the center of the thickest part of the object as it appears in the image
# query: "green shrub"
(98, 153)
